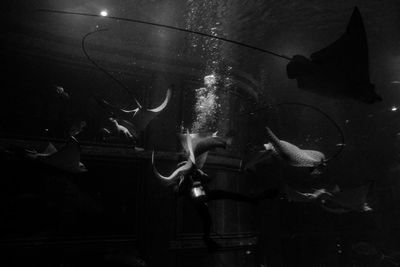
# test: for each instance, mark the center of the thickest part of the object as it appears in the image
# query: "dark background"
(118, 208)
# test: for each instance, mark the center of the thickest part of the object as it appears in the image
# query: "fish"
(135, 120)
(66, 159)
(196, 147)
(293, 155)
(340, 70)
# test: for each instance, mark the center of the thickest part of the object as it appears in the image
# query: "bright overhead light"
(104, 13)
(394, 108)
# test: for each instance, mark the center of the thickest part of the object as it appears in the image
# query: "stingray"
(310, 195)
(134, 120)
(66, 159)
(118, 130)
(196, 147)
(354, 199)
(336, 200)
(339, 70)
(293, 155)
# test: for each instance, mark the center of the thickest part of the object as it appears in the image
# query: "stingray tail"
(121, 84)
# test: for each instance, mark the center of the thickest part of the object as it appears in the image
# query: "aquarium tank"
(200, 133)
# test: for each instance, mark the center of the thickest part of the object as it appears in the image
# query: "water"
(118, 212)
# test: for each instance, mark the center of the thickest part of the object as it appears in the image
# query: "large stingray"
(340, 69)
(293, 155)
(197, 147)
(66, 159)
(135, 120)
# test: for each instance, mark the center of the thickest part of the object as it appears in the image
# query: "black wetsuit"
(194, 187)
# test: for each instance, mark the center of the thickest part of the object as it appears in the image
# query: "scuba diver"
(191, 182)
(193, 187)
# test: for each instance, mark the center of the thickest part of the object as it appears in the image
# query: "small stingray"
(310, 195)
(134, 120)
(340, 69)
(119, 130)
(67, 158)
(335, 200)
(197, 147)
(293, 155)
(347, 200)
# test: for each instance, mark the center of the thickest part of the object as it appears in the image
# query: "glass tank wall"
(281, 151)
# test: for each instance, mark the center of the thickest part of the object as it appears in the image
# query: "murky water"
(129, 88)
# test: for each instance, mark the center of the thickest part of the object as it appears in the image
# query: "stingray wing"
(346, 60)
(143, 116)
(189, 145)
(50, 149)
(67, 158)
(163, 104)
(349, 53)
(201, 160)
(204, 145)
(116, 112)
(200, 144)
(180, 170)
(130, 127)
(342, 67)
(184, 141)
